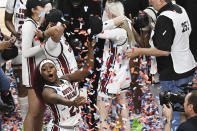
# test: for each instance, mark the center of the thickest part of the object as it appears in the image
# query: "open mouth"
(75, 5)
(50, 76)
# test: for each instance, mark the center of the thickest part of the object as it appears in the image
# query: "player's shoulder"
(121, 31)
(30, 22)
(10, 6)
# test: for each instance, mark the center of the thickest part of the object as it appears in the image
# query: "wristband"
(132, 51)
(17, 35)
(168, 121)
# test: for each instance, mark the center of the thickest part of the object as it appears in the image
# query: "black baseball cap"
(33, 3)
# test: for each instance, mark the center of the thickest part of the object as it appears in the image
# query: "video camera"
(176, 99)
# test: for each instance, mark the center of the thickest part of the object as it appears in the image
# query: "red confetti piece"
(36, 38)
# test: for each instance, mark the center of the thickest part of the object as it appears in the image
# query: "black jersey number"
(185, 26)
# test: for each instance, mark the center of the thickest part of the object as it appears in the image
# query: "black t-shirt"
(164, 42)
(189, 125)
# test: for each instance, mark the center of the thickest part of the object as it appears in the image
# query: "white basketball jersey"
(17, 7)
(115, 72)
(182, 58)
(64, 116)
(29, 64)
(63, 56)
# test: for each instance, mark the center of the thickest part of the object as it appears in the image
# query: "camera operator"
(190, 107)
(175, 62)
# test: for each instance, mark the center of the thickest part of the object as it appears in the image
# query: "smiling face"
(49, 72)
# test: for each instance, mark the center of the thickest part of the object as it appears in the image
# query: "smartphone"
(83, 92)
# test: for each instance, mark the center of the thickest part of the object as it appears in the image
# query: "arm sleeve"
(52, 48)
(10, 6)
(50, 44)
(109, 24)
(27, 39)
(164, 34)
(116, 34)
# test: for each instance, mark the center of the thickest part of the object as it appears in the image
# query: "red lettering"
(67, 90)
(72, 112)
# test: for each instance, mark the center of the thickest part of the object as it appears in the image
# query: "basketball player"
(15, 9)
(56, 93)
(115, 73)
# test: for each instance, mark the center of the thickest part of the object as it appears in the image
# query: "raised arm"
(114, 34)
(113, 23)
(53, 36)
(54, 32)
(50, 96)
(85, 71)
(138, 38)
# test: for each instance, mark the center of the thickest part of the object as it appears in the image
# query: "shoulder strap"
(49, 86)
(33, 21)
(21, 1)
(14, 4)
(152, 10)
